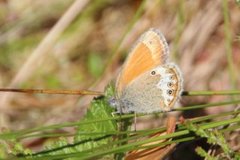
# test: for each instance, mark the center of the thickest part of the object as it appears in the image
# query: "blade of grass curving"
(210, 117)
(218, 104)
(47, 135)
(221, 123)
(231, 128)
(210, 93)
(18, 134)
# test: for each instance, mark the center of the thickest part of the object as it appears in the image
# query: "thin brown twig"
(51, 91)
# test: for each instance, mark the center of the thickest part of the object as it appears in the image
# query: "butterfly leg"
(135, 121)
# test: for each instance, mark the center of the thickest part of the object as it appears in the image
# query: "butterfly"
(148, 82)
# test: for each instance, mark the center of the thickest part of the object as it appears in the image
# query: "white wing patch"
(170, 83)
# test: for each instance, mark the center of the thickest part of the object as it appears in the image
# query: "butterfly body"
(148, 82)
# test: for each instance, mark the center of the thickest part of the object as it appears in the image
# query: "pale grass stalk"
(40, 53)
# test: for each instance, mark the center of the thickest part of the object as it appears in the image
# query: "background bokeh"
(37, 51)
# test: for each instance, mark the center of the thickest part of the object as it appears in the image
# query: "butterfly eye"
(153, 73)
(169, 92)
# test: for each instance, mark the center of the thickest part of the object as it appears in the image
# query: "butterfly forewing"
(150, 51)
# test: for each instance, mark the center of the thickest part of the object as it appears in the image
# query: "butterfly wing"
(155, 90)
(170, 84)
(151, 50)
